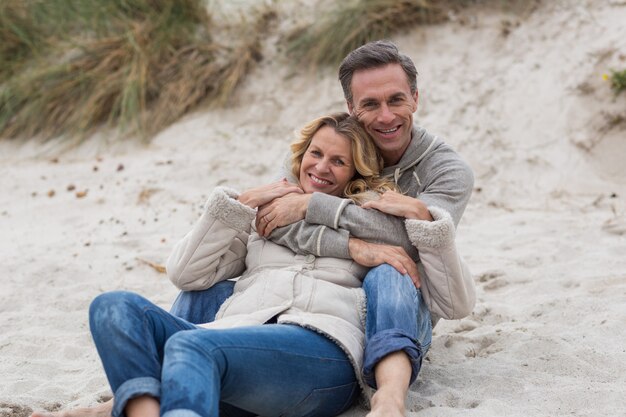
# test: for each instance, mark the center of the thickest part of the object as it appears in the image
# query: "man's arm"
(447, 183)
(326, 232)
(304, 235)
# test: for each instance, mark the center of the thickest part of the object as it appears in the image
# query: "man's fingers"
(394, 262)
(415, 277)
(263, 211)
(409, 266)
(370, 204)
(269, 228)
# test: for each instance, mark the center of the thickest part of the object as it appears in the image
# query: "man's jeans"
(271, 369)
(397, 317)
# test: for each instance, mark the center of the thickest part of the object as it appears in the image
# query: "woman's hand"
(400, 205)
(374, 254)
(262, 195)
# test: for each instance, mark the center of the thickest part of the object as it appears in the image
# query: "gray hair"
(375, 54)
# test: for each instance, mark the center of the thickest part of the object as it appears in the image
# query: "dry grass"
(352, 23)
(347, 25)
(70, 68)
(20, 37)
(137, 65)
(196, 78)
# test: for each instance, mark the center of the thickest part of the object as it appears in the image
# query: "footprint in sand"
(615, 226)
(14, 410)
(492, 280)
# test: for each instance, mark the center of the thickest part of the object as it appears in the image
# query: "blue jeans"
(201, 306)
(397, 317)
(265, 370)
(397, 320)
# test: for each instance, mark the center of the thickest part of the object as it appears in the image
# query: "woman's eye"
(316, 153)
(339, 162)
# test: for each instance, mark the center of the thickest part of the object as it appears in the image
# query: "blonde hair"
(367, 162)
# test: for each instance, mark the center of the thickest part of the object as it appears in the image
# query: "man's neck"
(392, 158)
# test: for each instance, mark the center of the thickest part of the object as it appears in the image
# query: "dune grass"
(329, 38)
(69, 68)
(346, 25)
(137, 65)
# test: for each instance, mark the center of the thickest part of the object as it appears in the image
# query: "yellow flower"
(605, 77)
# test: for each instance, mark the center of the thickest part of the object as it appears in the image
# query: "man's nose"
(385, 115)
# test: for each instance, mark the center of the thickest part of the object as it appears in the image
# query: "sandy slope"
(519, 95)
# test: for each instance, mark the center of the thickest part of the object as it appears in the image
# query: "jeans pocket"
(325, 402)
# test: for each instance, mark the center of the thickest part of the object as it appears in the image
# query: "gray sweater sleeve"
(304, 238)
(367, 224)
(329, 223)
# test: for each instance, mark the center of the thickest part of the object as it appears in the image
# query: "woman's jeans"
(397, 317)
(268, 370)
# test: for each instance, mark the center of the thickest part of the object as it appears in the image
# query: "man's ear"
(415, 98)
(350, 107)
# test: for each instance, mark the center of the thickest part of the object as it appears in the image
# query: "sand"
(519, 94)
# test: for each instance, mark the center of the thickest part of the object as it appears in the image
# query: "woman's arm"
(447, 284)
(215, 249)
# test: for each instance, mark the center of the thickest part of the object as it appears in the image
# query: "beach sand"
(519, 94)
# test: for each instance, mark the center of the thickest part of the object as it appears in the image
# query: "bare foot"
(100, 410)
(386, 404)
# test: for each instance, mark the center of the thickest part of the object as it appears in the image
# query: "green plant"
(618, 81)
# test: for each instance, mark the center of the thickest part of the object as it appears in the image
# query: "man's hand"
(400, 205)
(281, 212)
(373, 254)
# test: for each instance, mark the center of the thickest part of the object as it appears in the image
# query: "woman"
(290, 339)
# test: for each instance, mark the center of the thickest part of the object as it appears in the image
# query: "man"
(380, 88)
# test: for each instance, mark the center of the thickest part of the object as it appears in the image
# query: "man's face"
(383, 103)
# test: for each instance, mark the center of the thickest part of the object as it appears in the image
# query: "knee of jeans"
(388, 280)
(180, 343)
(111, 307)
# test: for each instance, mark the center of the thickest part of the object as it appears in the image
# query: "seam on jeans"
(152, 309)
(314, 391)
(219, 349)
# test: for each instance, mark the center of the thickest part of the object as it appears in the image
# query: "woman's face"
(327, 164)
